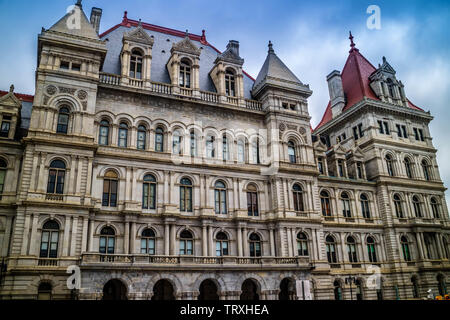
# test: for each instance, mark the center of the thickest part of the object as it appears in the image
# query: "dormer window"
(136, 65)
(230, 83)
(6, 126)
(185, 74)
(390, 85)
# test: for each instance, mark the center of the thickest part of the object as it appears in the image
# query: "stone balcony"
(192, 262)
(115, 80)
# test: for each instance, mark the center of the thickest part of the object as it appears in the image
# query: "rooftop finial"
(203, 37)
(79, 4)
(140, 23)
(271, 47)
(186, 35)
(11, 88)
(352, 44)
(125, 17)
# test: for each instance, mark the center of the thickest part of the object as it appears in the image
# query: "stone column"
(73, 243)
(439, 246)
(41, 178)
(172, 239)
(71, 182)
(65, 248)
(204, 241)
(91, 235)
(272, 242)
(419, 245)
(244, 242)
(289, 241)
(84, 235)
(133, 238)
(294, 242)
(210, 241)
(166, 239)
(239, 241)
(34, 240)
(26, 229)
(126, 238)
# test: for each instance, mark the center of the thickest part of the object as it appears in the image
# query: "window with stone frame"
(110, 186)
(136, 62)
(6, 126)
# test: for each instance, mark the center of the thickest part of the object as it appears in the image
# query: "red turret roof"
(356, 84)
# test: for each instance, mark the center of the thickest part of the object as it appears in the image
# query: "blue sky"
(311, 37)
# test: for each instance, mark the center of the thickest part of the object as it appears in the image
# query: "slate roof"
(163, 40)
(356, 84)
(275, 72)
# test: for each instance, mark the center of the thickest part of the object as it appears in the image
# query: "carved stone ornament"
(82, 95)
(51, 90)
(282, 127)
(302, 130)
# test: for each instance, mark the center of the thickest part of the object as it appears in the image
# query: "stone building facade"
(153, 163)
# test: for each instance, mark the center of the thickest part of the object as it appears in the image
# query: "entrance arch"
(249, 290)
(287, 289)
(114, 290)
(208, 290)
(163, 290)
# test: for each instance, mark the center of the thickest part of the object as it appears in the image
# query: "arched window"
(302, 244)
(225, 153)
(176, 142)
(371, 250)
(123, 135)
(346, 211)
(241, 150)
(186, 243)
(435, 207)
(255, 245)
(297, 192)
(389, 165)
(185, 74)
(210, 147)
(331, 249)
(159, 140)
(337, 290)
(417, 206)
(398, 206)
(49, 240)
(405, 248)
(56, 177)
(3, 167)
(230, 83)
(365, 208)
(44, 291)
(408, 168)
(252, 201)
(185, 195)
(426, 170)
(256, 151)
(193, 144)
(103, 135)
(110, 183)
(415, 287)
(148, 241)
(136, 65)
(325, 203)
(390, 85)
(149, 192)
(107, 240)
(351, 249)
(291, 152)
(221, 244)
(63, 120)
(141, 137)
(220, 197)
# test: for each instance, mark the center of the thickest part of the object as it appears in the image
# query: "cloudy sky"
(311, 37)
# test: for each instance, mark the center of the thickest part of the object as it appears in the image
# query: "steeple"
(352, 44)
(275, 72)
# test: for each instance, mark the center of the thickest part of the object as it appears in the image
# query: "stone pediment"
(357, 153)
(383, 72)
(339, 149)
(319, 146)
(10, 99)
(139, 35)
(186, 46)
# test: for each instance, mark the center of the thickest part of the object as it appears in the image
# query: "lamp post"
(350, 280)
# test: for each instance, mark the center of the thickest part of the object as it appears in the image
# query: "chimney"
(233, 46)
(336, 91)
(96, 16)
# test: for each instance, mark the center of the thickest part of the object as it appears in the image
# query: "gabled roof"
(274, 71)
(355, 82)
(68, 24)
(20, 96)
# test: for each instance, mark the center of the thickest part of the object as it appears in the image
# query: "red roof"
(20, 96)
(356, 84)
(134, 23)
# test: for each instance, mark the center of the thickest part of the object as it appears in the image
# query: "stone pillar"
(65, 248)
(41, 178)
(34, 240)
(166, 239)
(26, 229)
(439, 246)
(294, 242)
(126, 238)
(73, 242)
(272, 242)
(91, 235)
(71, 182)
(204, 241)
(239, 241)
(245, 242)
(419, 245)
(210, 241)
(133, 239)
(172, 239)
(84, 235)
